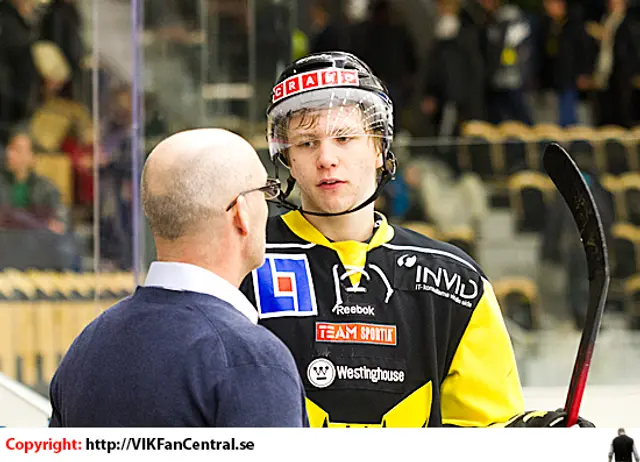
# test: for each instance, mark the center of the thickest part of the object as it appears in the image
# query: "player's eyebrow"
(297, 136)
(348, 130)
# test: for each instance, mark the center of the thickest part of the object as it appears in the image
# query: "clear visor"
(327, 113)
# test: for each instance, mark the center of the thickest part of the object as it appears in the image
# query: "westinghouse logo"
(321, 373)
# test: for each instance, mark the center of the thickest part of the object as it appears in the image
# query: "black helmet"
(330, 80)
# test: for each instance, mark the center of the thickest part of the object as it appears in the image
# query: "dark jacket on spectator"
(562, 53)
(18, 74)
(453, 65)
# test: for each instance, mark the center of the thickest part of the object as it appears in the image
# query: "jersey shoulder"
(279, 233)
(406, 239)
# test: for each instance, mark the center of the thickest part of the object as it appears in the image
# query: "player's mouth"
(329, 184)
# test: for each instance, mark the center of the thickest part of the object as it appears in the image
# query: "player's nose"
(327, 154)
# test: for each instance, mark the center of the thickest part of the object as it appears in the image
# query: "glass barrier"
(153, 68)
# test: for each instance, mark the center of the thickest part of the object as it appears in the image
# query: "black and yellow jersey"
(402, 331)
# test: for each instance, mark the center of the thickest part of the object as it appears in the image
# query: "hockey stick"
(567, 177)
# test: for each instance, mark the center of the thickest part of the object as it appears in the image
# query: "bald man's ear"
(241, 216)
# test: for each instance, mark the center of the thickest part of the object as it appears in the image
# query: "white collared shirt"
(186, 277)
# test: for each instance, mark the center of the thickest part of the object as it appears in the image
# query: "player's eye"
(307, 144)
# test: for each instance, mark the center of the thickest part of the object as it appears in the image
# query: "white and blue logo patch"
(283, 287)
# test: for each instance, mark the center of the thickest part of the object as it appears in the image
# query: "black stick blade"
(567, 177)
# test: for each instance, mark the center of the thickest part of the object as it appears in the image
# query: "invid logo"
(447, 284)
(407, 261)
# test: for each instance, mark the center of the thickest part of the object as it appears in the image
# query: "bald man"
(185, 349)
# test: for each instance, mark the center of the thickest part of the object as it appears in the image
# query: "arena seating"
(518, 298)
(508, 157)
(42, 312)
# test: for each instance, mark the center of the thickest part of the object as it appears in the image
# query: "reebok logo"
(362, 310)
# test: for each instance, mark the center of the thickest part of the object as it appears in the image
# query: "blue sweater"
(163, 358)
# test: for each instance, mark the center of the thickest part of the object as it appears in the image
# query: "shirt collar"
(187, 277)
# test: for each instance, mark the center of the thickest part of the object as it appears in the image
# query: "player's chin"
(337, 205)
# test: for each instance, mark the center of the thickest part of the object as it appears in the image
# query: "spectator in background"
(390, 52)
(508, 57)
(616, 64)
(115, 185)
(328, 33)
(563, 60)
(62, 25)
(18, 75)
(451, 97)
(27, 200)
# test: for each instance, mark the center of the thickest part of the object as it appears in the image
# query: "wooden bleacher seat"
(613, 186)
(615, 153)
(518, 147)
(632, 301)
(481, 151)
(463, 238)
(630, 197)
(582, 143)
(625, 251)
(543, 134)
(518, 298)
(530, 194)
(21, 284)
(57, 167)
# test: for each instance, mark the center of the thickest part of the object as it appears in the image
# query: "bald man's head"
(190, 178)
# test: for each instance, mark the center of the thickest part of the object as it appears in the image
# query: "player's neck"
(357, 226)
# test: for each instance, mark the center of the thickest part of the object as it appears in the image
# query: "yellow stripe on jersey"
(482, 387)
(411, 412)
(352, 254)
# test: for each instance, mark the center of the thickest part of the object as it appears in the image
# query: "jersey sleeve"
(482, 386)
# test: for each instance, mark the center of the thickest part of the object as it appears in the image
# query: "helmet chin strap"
(387, 175)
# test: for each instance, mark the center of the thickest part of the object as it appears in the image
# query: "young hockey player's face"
(332, 158)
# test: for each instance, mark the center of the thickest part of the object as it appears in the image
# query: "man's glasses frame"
(271, 192)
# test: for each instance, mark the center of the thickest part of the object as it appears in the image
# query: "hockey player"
(388, 327)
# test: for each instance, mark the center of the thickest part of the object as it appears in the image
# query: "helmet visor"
(337, 112)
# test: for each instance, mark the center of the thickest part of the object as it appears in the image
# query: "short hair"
(21, 129)
(185, 203)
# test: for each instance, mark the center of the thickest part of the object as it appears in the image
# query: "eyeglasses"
(271, 191)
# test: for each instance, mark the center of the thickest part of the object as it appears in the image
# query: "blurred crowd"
(488, 57)
(47, 134)
(567, 62)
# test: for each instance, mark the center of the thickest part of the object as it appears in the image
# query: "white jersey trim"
(290, 246)
(432, 251)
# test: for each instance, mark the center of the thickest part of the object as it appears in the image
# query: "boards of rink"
(41, 313)
(606, 406)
